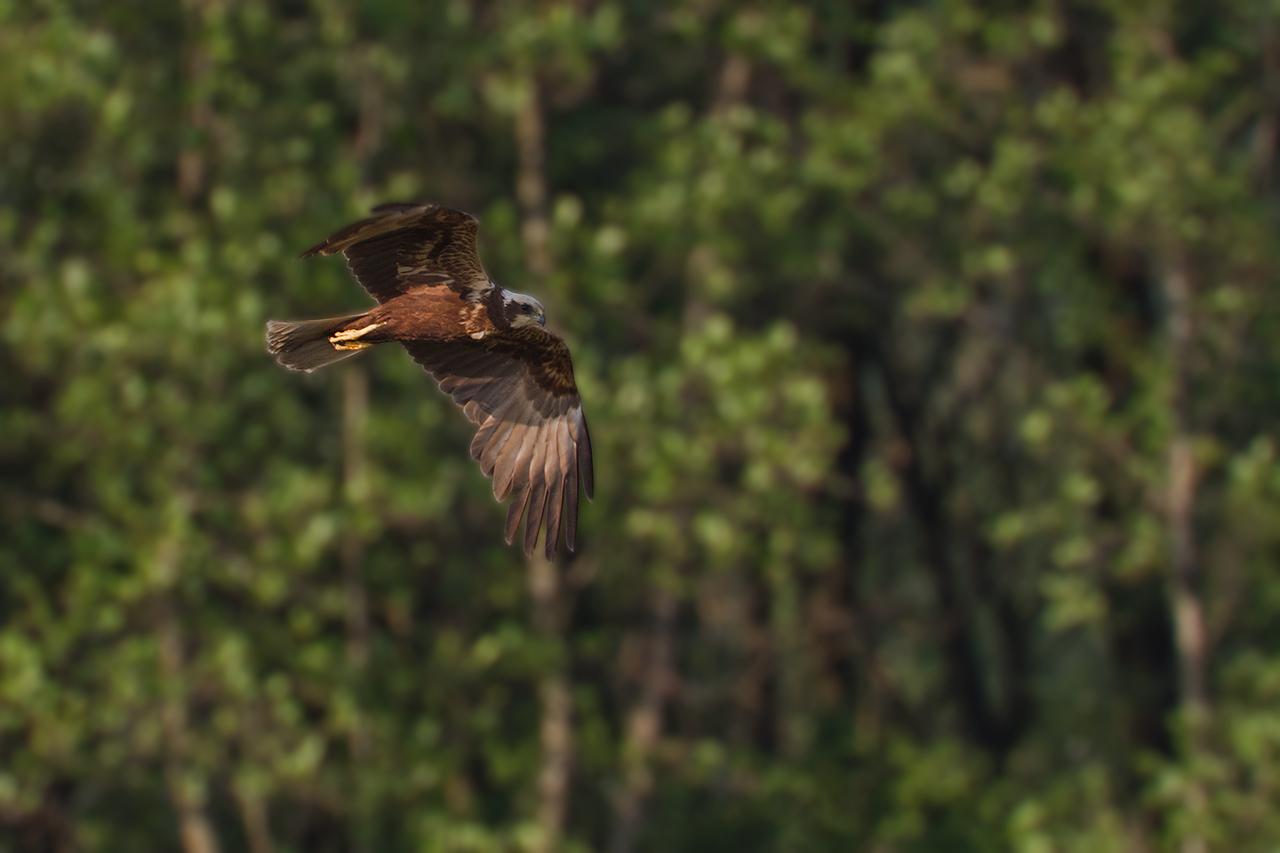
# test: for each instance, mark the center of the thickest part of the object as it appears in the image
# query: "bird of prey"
(485, 346)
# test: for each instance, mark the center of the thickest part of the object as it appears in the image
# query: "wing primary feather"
(553, 472)
(571, 501)
(584, 457)
(537, 474)
(493, 451)
(500, 428)
(505, 462)
(513, 467)
(537, 505)
(522, 471)
(513, 515)
(481, 439)
(569, 465)
(493, 455)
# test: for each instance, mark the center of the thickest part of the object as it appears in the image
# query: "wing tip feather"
(533, 522)
(514, 514)
(585, 461)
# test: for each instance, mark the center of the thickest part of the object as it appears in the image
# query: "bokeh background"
(931, 353)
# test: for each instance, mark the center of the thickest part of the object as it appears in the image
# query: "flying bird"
(485, 346)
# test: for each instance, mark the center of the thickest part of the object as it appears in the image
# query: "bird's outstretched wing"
(406, 244)
(517, 387)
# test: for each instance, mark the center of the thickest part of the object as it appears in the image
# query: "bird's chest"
(475, 321)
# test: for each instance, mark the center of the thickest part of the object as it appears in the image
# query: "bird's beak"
(542, 319)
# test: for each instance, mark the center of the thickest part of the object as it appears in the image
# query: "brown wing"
(410, 244)
(518, 388)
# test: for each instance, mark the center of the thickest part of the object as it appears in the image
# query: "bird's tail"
(304, 344)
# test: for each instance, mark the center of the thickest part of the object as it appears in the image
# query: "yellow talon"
(349, 339)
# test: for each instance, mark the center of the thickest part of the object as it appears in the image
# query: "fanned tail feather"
(304, 344)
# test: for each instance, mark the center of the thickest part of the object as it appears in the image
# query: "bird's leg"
(349, 339)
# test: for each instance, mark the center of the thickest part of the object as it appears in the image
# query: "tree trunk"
(257, 827)
(531, 184)
(1188, 612)
(644, 723)
(556, 727)
(192, 159)
(355, 488)
(546, 587)
(355, 495)
(186, 789)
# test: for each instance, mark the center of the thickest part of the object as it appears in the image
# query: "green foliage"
(869, 308)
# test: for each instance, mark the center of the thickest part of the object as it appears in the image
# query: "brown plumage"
(484, 345)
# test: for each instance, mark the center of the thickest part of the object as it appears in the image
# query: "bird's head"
(522, 310)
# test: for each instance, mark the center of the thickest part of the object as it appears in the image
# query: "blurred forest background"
(931, 351)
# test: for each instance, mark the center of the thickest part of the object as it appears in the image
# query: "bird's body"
(485, 345)
(428, 313)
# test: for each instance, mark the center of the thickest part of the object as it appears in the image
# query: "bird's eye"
(526, 308)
